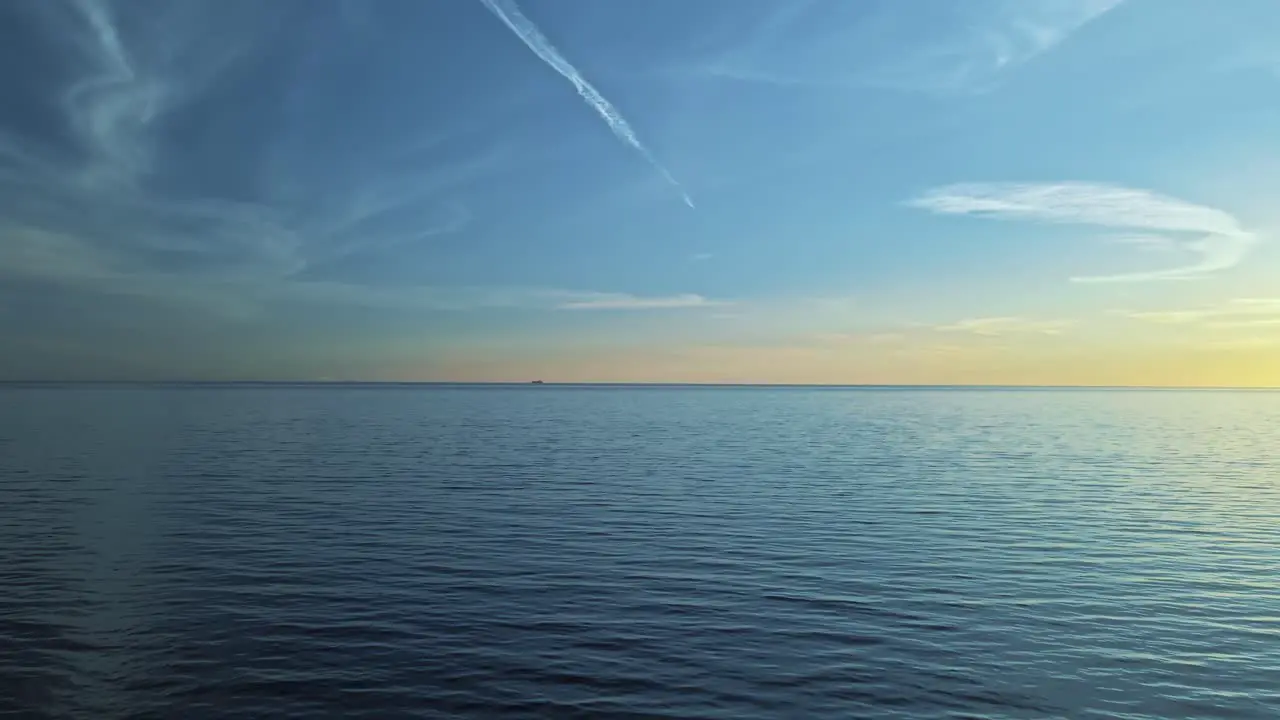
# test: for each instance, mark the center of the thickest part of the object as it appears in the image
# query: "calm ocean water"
(528, 552)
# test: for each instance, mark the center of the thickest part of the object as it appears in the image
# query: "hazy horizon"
(995, 192)
(611, 384)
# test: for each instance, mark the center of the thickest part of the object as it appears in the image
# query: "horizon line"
(531, 384)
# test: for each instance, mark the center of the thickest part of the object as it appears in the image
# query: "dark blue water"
(286, 552)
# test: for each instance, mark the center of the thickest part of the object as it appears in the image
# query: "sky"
(1008, 192)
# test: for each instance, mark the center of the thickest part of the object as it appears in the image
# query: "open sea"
(501, 552)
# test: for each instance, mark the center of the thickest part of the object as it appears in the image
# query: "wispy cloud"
(1038, 26)
(111, 107)
(95, 211)
(1239, 324)
(1000, 37)
(1217, 238)
(89, 203)
(965, 47)
(361, 233)
(1246, 343)
(134, 76)
(1237, 313)
(70, 263)
(614, 301)
(999, 326)
(1150, 243)
(510, 14)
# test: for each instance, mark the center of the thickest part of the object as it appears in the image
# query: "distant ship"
(537, 382)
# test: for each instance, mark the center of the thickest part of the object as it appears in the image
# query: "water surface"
(736, 553)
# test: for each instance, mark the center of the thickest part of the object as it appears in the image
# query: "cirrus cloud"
(997, 326)
(964, 48)
(1237, 313)
(1216, 239)
(620, 301)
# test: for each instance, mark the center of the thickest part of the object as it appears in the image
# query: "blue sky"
(722, 190)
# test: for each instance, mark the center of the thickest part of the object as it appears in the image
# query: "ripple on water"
(638, 553)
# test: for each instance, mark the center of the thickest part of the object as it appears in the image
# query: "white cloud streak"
(1012, 34)
(134, 75)
(510, 14)
(1216, 239)
(73, 264)
(68, 262)
(618, 301)
(1038, 26)
(100, 212)
(965, 47)
(1237, 313)
(998, 326)
(112, 106)
(1151, 243)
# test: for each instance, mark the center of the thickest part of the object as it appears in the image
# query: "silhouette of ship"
(536, 382)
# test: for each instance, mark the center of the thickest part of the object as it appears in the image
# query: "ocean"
(399, 551)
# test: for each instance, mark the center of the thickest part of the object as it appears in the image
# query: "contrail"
(509, 13)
